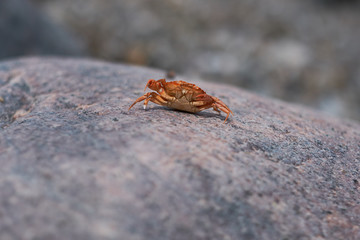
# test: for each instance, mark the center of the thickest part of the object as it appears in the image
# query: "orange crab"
(182, 96)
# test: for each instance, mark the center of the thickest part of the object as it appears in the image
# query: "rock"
(26, 31)
(76, 164)
(300, 51)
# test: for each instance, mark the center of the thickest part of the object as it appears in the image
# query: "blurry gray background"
(300, 51)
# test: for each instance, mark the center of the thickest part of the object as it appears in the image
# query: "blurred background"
(300, 51)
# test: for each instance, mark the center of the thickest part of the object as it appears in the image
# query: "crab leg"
(150, 96)
(201, 104)
(216, 109)
(165, 96)
(205, 101)
(225, 110)
(205, 106)
(217, 106)
(221, 106)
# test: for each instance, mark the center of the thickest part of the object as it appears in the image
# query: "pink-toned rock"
(75, 164)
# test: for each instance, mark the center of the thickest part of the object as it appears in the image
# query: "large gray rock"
(75, 164)
(26, 31)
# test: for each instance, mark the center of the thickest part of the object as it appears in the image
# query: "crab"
(182, 96)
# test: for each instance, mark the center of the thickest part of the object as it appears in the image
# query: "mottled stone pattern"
(75, 164)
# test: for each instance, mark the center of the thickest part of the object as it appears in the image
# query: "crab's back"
(179, 88)
(184, 94)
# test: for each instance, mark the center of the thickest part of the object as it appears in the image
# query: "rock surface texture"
(75, 164)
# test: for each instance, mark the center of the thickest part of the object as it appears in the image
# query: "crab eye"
(150, 84)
